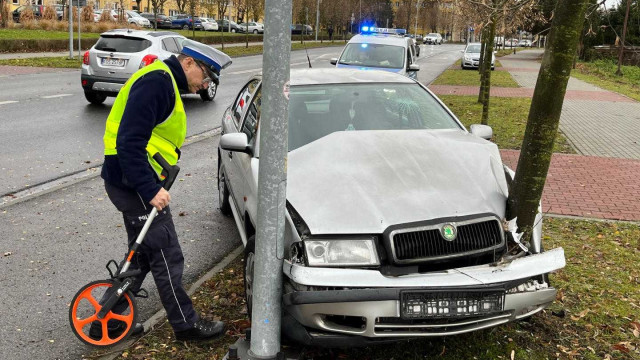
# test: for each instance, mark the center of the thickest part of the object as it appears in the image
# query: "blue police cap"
(214, 59)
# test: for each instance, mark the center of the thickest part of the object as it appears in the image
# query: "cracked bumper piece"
(366, 313)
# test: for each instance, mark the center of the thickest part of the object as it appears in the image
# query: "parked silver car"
(395, 214)
(254, 27)
(119, 53)
(471, 57)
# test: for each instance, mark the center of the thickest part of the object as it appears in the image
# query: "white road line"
(55, 96)
(244, 71)
(7, 102)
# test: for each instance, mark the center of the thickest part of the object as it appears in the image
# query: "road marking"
(7, 102)
(244, 71)
(55, 96)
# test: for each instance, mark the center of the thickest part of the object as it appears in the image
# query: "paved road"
(58, 241)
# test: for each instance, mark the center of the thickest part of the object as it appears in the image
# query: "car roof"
(383, 39)
(139, 33)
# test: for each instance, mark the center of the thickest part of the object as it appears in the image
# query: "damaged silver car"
(395, 221)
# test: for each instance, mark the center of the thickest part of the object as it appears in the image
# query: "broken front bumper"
(370, 306)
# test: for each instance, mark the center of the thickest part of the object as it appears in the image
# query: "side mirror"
(482, 131)
(334, 61)
(414, 67)
(236, 142)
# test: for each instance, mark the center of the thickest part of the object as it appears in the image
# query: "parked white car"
(208, 24)
(135, 18)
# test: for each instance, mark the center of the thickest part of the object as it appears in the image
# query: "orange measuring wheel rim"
(81, 322)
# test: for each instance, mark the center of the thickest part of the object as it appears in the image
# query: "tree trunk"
(483, 43)
(624, 32)
(488, 56)
(544, 114)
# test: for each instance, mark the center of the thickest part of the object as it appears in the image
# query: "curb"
(151, 323)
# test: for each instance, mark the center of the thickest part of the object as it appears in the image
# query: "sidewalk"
(604, 128)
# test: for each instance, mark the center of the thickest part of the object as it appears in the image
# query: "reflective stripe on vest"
(166, 137)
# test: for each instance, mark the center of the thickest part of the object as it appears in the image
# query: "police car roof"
(344, 76)
(384, 39)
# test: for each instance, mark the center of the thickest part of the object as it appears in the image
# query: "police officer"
(147, 117)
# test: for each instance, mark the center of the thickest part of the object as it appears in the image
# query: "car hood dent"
(365, 181)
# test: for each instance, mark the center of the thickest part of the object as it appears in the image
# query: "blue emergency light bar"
(377, 30)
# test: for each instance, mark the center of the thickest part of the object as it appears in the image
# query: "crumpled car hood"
(361, 182)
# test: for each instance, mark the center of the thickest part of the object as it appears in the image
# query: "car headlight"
(324, 252)
(467, 58)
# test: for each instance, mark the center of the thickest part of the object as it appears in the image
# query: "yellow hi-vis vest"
(166, 138)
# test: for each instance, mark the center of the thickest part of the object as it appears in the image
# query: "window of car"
(123, 44)
(242, 101)
(473, 49)
(170, 45)
(319, 110)
(373, 55)
(252, 119)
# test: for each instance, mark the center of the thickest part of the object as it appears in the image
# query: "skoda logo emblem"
(449, 232)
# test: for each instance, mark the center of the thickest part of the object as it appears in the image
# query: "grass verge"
(472, 78)
(22, 34)
(508, 51)
(507, 117)
(602, 73)
(595, 316)
(51, 62)
(235, 51)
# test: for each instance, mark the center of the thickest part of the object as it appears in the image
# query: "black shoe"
(202, 330)
(95, 331)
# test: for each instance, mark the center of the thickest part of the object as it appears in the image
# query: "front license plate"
(450, 304)
(112, 62)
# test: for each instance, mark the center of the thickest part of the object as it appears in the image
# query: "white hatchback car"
(208, 24)
(119, 53)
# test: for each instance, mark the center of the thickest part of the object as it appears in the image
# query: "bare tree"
(544, 114)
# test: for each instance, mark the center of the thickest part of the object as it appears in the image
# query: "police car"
(380, 49)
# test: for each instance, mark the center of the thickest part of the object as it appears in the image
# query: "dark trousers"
(159, 253)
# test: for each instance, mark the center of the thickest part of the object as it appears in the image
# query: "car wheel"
(94, 97)
(248, 274)
(185, 27)
(210, 93)
(255, 31)
(223, 192)
(233, 30)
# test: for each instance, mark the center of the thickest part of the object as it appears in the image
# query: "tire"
(223, 194)
(185, 27)
(210, 93)
(233, 30)
(94, 97)
(78, 328)
(249, 266)
(255, 32)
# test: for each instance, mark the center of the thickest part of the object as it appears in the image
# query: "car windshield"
(433, 34)
(133, 14)
(319, 110)
(473, 49)
(373, 55)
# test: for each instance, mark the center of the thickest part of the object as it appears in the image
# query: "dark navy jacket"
(151, 101)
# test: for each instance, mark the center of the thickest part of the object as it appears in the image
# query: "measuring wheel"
(84, 315)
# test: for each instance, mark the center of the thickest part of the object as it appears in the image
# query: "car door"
(250, 126)
(231, 123)
(410, 60)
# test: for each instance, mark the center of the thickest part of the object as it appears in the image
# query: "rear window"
(122, 44)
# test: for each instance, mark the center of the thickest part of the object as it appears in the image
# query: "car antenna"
(305, 50)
